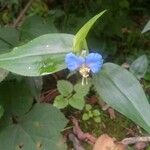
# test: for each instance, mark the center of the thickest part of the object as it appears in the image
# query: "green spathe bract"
(80, 38)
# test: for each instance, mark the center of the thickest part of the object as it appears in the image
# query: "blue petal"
(94, 61)
(73, 62)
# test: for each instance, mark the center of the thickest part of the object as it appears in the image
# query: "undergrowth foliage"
(71, 95)
(34, 125)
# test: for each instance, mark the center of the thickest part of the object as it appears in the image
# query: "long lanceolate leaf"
(121, 90)
(79, 40)
(43, 55)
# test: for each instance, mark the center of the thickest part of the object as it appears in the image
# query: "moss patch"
(117, 128)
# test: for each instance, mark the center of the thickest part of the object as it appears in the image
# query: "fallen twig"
(80, 134)
(107, 108)
(133, 140)
(48, 96)
(105, 142)
(140, 146)
(111, 113)
(22, 14)
(76, 142)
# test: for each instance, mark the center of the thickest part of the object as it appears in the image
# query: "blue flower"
(92, 62)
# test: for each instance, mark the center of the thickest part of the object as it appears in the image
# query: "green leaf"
(64, 87)
(129, 148)
(82, 90)
(15, 97)
(3, 74)
(97, 119)
(9, 38)
(124, 4)
(35, 85)
(60, 102)
(148, 148)
(37, 130)
(147, 76)
(79, 40)
(88, 107)
(122, 91)
(35, 26)
(147, 27)
(1, 111)
(85, 117)
(77, 101)
(96, 112)
(43, 55)
(139, 66)
(90, 114)
(9, 35)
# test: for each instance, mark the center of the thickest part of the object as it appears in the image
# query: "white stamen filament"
(83, 53)
(84, 81)
(84, 71)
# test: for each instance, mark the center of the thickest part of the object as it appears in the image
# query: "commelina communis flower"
(84, 64)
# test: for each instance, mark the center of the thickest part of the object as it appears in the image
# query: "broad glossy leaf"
(9, 35)
(38, 130)
(139, 66)
(35, 26)
(79, 40)
(9, 38)
(121, 90)
(4, 47)
(15, 97)
(35, 85)
(43, 55)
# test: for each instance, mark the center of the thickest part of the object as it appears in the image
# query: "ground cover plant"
(70, 77)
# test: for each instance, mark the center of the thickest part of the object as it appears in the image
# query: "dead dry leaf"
(104, 142)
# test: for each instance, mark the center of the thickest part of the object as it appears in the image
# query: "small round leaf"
(60, 102)
(96, 112)
(85, 117)
(97, 119)
(88, 107)
(64, 87)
